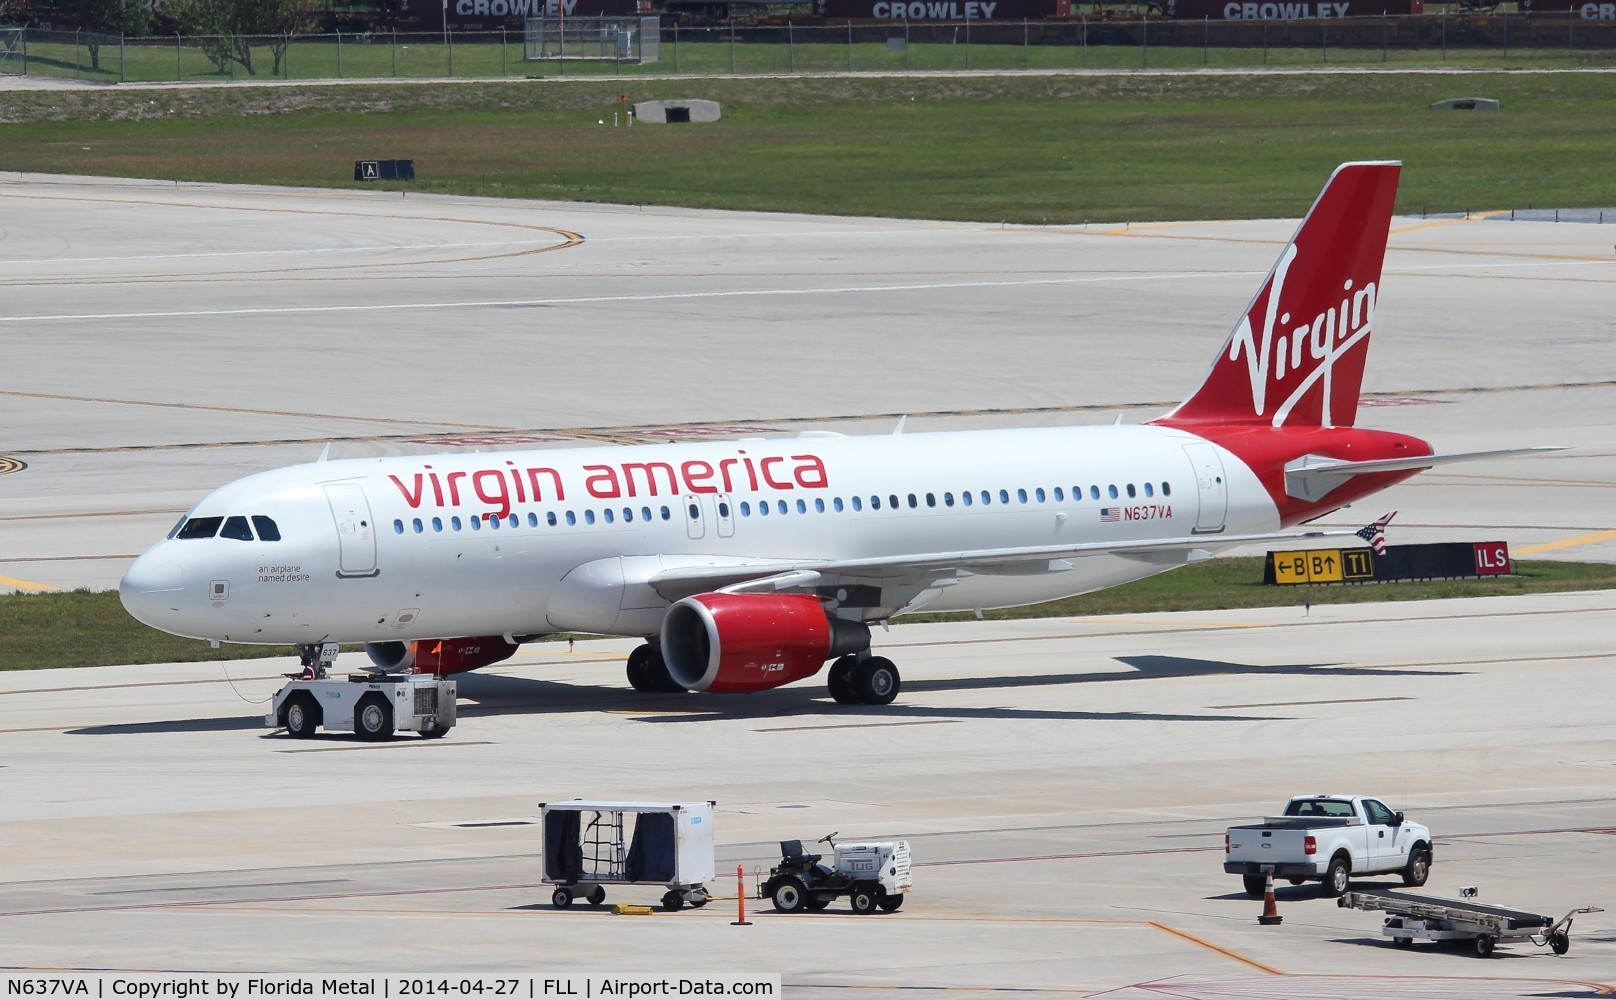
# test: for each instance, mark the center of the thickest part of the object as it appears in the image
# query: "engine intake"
(440, 656)
(736, 643)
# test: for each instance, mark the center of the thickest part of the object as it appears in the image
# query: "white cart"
(590, 845)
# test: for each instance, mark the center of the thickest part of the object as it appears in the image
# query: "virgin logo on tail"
(1314, 313)
(1315, 345)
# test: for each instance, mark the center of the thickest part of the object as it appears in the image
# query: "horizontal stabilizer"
(1312, 476)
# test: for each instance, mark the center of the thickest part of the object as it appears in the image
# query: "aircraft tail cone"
(1270, 907)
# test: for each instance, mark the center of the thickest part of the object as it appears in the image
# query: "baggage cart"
(1431, 918)
(590, 845)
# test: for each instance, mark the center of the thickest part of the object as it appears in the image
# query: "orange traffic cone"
(1270, 908)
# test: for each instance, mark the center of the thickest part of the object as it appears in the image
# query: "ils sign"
(1324, 566)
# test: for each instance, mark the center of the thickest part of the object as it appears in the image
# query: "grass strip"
(84, 628)
(1065, 150)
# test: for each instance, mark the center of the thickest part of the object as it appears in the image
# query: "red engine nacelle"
(736, 643)
(440, 656)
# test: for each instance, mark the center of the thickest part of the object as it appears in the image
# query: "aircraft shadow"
(495, 695)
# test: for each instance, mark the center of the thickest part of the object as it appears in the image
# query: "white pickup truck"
(1330, 839)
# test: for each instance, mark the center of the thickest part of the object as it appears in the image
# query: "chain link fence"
(1479, 40)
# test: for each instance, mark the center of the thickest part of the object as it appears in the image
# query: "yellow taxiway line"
(1565, 543)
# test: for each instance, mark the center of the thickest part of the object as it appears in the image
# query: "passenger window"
(746, 509)
(858, 504)
(645, 513)
(1167, 489)
(628, 514)
(1149, 492)
(550, 519)
(1131, 492)
(875, 503)
(948, 499)
(892, 500)
(532, 519)
(203, 527)
(476, 523)
(837, 503)
(589, 517)
(695, 512)
(1094, 493)
(723, 509)
(418, 526)
(572, 518)
(783, 508)
(1004, 496)
(763, 508)
(235, 527)
(513, 522)
(268, 530)
(1059, 496)
(1112, 489)
(666, 514)
(819, 505)
(607, 514)
(1039, 494)
(931, 499)
(494, 521)
(454, 522)
(986, 498)
(437, 524)
(398, 526)
(1021, 495)
(912, 502)
(802, 507)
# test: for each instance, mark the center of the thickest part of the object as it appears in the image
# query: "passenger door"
(356, 535)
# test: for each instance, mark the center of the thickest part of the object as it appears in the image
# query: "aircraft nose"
(151, 589)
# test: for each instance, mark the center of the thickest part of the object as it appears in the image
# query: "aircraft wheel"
(302, 716)
(373, 718)
(875, 681)
(840, 680)
(640, 677)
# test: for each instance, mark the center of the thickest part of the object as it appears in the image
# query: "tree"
(224, 27)
(125, 17)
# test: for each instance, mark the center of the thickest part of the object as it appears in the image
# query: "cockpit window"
(236, 527)
(177, 525)
(200, 527)
(268, 531)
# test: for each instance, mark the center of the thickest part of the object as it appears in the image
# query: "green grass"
(83, 628)
(1009, 148)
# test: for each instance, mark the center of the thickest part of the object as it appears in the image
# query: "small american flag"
(1375, 533)
(1110, 514)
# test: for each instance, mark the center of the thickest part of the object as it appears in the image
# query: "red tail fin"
(1297, 356)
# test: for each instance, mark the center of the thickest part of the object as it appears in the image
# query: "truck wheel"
(673, 899)
(1403, 942)
(373, 718)
(1484, 945)
(561, 898)
(1338, 878)
(1419, 867)
(302, 716)
(1256, 885)
(790, 895)
(815, 903)
(435, 732)
(863, 901)
(890, 902)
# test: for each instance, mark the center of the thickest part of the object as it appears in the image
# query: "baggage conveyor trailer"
(1431, 918)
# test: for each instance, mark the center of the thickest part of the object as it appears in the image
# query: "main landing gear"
(648, 671)
(872, 680)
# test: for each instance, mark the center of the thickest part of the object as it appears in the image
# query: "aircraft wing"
(922, 572)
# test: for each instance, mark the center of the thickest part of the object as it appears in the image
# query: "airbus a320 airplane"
(749, 564)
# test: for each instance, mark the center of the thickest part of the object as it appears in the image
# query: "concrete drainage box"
(675, 112)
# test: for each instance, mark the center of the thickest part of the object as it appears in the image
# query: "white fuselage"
(517, 543)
